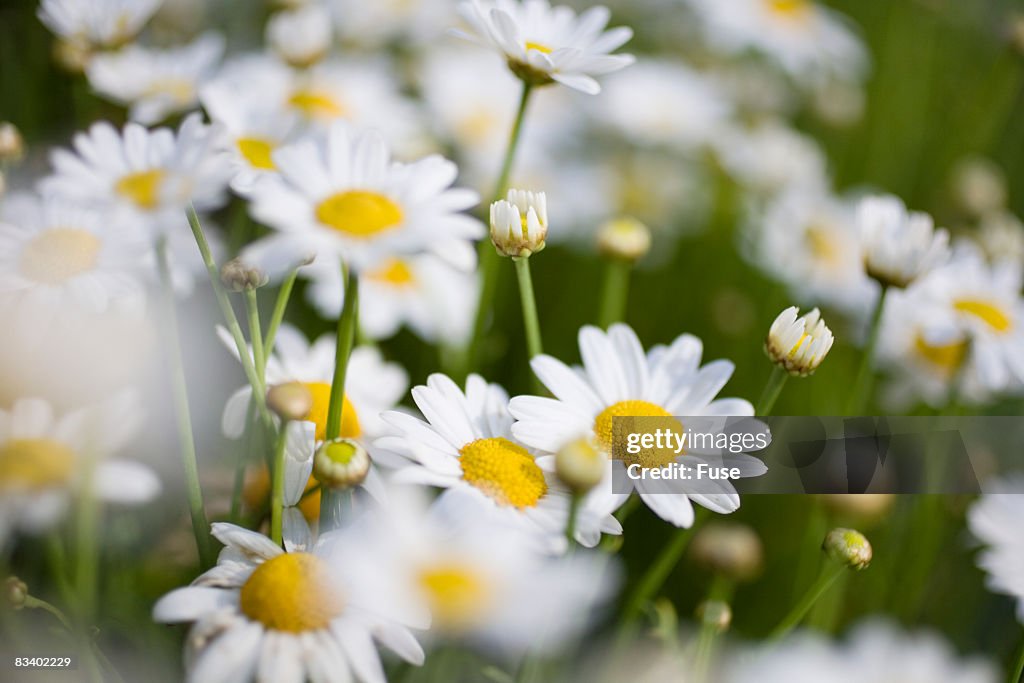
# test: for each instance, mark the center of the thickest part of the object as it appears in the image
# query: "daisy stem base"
(252, 313)
(862, 385)
(829, 573)
(277, 490)
(531, 321)
(614, 292)
(771, 392)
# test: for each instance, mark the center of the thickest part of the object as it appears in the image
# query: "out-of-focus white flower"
(55, 252)
(995, 521)
(1001, 237)
(437, 302)
(99, 23)
(44, 460)
(371, 24)
(263, 613)
(798, 344)
(519, 223)
(544, 44)
(301, 37)
(664, 103)
(466, 444)
(624, 238)
(156, 83)
(12, 144)
(810, 42)
(772, 157)
(340, 196)
(154, 174)
(619, 380)
(898, 246)
(979, 186)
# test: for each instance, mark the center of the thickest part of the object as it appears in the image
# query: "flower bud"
(798, 345)
(17, 592)
(731, 549)
(899, 246)
(72, 55)
(580, 466)
(624, 238)
(863, 506)
(12, 146)
(715, 613)
(290, 401)
(300, 36)
(239, 276)
(341, 464)
(519, 223)
(979, 186)
(848, 547)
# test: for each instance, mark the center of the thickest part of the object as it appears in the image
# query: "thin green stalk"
(862, 385)
(570, 524)
(186, 442)
(245, 443)
(721, 590)
(829, 573)
(252, 312)
(280, 305)
(771, 392)
(277, 490)
(1017, 672)
(32, 602)
(531, 322)
(259, 391)
(488, 257)
(657, 573)
(614, 292)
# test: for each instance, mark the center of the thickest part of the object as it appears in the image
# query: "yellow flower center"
(256, 494)
(35, 463)
(55, 256)
(257, 152)
(456, 595)
(539, 47)
(478, 125)
(989, 313)
(394, 272)
(945, 357)
(822, 244)
(180, 90)
(791, 9)
(321, 391)
(634, 417)
(142, 187)
(316, 104)
(292, 592)
(504, 471)
(359, 213)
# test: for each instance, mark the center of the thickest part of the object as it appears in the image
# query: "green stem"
(721, 590)
(829, 573)
(489, 259)
(531, 322)
(277, 490)
(1017, 673)
(252, 312)
(345, 339)
(280, 305)
(32, 602)
(862, 385)
(245, 443)
(614, 292)
(186, 442)
(771, 391)
(570, 524)
(656, 575)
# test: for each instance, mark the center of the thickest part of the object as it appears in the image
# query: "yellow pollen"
(142, 187)
(627, 411)
(316, 104)
(504, 471)
(987, 312)
(394, 272)
(539, 47)
(55, 256)
(35, 464)
(292, 592)
(257, 152)
(789, 8)
(321, 391)
(945, 357)
(455, 594)
(359, 213)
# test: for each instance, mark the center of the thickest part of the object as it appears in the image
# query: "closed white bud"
(848, 547)
(798, 344)
(731, 549)
(341, 464)
(580, 466)
(716, 614)
(899, 246)
(624, 238)
(12, 145)
(301, 37)
(519, 223)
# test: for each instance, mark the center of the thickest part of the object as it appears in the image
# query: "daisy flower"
(339, 194)
(618, 380)
(771, 157)
(899, 246)
(264, 613)
(302, 36)
(434, 300)
(373, 24)
(43, 459)
(995, 520)
(153, 174)
(544, 44)
(154, 83)
(482, 581)
(53, 250)
(466, 444)
(98, 23)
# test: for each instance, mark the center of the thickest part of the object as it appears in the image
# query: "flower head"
(341, 464)
(995, 520)
(519, 223)
(301, 37)
(848, 547)
(12, 145)
(798, 344)
(899, 246)
(97, 23)
(624, 238)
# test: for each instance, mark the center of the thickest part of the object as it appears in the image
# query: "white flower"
(545, 44)
(466, 443)
(899, 246)
(372, 24)
(810, 42)
(154, 174)
(619, 380)
(301, 37)
(54, 251)
(265, 614)
(437, 302)
(798, 344)
(100, 23)
(339, 195)
(771, 157)
(995, 520)
(156, 83)
(483, 581)
(519, 223)
(43, 459)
